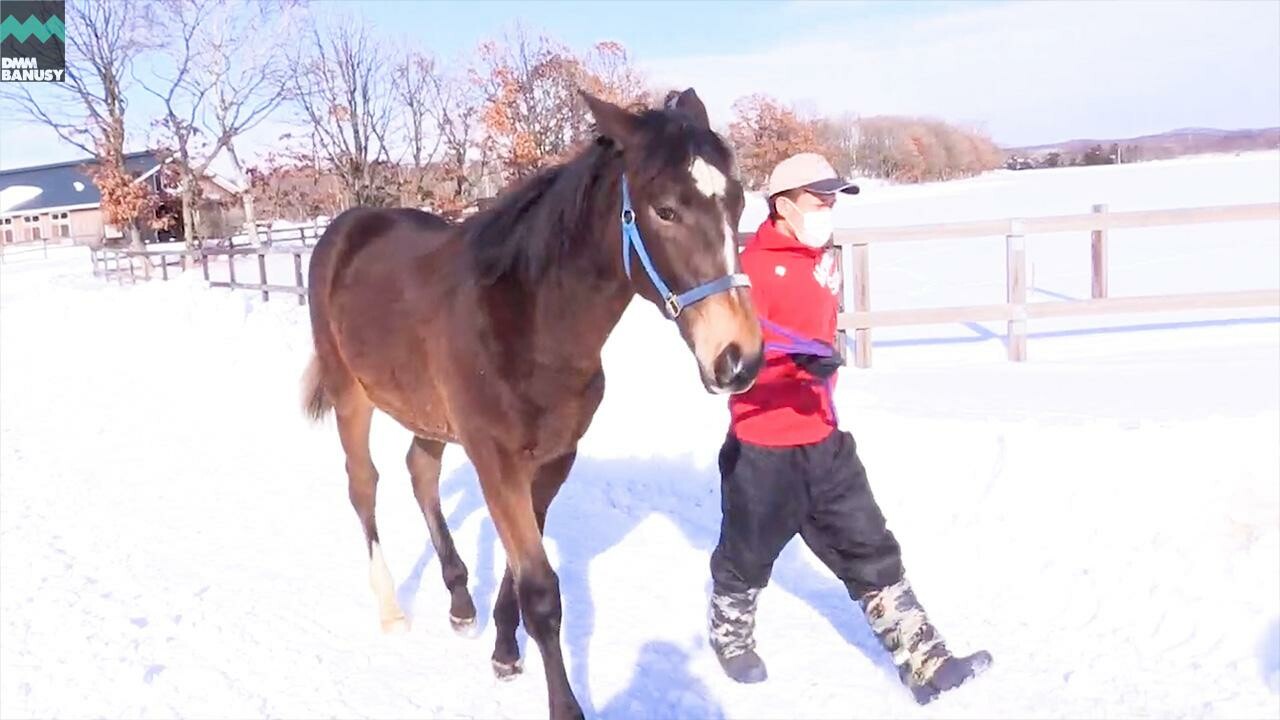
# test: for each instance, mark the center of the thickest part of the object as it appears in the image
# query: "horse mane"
(531, 224)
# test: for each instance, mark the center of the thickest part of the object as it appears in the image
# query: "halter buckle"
(673, 306)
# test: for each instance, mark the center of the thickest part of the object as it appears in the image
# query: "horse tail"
(325, 257)
(315, 401)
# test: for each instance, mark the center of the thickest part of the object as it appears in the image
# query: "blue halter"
(673, 304)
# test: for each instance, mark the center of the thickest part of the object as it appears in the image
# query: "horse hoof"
(508, 671)
(466, 627)
(396, 625)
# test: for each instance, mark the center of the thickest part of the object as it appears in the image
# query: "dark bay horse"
(488, 334)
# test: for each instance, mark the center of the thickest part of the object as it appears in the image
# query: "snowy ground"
(1105, 519)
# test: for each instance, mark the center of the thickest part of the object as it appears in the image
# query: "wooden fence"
(856, 315)
(856, 245)
(150, 264)
(298, 288)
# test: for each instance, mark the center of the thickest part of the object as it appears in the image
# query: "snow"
(175, 540)
(15, 195)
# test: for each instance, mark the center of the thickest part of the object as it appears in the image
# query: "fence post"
(146, 268)
(164, 267)
(862, 303)
(262, 275)
(204, 261)
(1016, 282)
(297, 277)
(231, 266)
(1099, 255)
(842, 268)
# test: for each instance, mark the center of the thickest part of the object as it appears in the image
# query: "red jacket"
(798, 288)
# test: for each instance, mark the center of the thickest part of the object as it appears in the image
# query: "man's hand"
(819, 366)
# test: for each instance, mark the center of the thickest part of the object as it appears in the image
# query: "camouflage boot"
(733, 622)
(925, 665)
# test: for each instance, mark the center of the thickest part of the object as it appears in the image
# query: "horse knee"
(362, 488)
(539, 593)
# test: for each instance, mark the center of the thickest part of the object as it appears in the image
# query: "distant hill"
(1174, 143)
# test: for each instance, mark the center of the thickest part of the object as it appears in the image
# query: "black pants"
(767, 495)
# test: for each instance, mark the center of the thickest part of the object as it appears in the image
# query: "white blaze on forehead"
(707, 178)
(730, 248)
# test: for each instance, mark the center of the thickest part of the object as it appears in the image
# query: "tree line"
(374, 123)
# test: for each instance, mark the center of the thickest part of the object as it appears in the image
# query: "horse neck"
(586, 292)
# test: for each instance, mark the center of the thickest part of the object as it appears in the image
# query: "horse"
(487, 333)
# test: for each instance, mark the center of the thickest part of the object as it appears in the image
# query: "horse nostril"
(735, 370)
(728, 365)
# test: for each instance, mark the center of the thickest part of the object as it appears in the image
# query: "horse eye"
(667, 214)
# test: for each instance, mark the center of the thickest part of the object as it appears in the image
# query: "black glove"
(819, 366)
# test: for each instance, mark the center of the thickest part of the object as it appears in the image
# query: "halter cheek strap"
(673, 304)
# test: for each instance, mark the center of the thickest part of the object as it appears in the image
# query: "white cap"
(810, 171)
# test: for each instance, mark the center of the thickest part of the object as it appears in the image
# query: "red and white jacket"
(798, 288)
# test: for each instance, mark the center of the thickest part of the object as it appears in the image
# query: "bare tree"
(455, 106)
(839, 140)
(248, 77)
(181, 92)
(340, 89)
(104, 39)
(415, 79)
(219, 83)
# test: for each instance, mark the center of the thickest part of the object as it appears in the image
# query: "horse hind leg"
(354, 415)
(424, 468)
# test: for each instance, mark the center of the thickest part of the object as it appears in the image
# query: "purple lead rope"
(805, 346)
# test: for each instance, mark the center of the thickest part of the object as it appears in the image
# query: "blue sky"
(1026, 72)
(655, 29)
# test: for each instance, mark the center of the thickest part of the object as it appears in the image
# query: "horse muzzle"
(734, 371)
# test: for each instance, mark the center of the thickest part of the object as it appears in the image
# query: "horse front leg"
(509, 490)
(506, 610)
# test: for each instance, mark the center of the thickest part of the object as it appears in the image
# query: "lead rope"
(806, 346)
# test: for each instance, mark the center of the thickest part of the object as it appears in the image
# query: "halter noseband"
(673, 304)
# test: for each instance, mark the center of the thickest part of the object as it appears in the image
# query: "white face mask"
(816, 228)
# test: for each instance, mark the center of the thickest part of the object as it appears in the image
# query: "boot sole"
(978, 664)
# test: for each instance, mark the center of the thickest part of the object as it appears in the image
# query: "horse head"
(680, 207)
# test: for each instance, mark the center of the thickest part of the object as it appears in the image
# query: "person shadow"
(601, 502)
(663, 687)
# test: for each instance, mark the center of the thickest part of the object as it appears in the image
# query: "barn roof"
(59, 186)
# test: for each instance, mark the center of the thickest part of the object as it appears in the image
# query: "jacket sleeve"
(764, 288)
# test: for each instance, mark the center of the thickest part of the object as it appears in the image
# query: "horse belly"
(414, 403)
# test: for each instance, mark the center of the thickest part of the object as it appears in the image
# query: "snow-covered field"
(175, 541)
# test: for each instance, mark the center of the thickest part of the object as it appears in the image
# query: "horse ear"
(689, 102)
(612, 121)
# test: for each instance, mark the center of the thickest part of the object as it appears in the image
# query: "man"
(786, 467)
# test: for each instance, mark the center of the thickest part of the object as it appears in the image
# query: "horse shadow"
(601, 502)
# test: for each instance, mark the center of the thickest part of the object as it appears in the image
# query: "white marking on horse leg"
(393, 619)
(707, 178)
